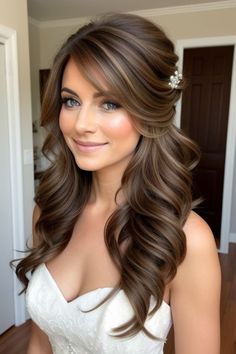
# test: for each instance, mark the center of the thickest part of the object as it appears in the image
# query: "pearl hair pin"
(175, 79)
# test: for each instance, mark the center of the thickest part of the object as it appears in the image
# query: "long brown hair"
(136, 60)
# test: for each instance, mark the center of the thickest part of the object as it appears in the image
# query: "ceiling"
(46, 10)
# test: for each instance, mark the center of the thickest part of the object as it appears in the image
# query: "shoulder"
(201, 249)
(35, 217)
(195, 291)
(36, 213)
(199, 237)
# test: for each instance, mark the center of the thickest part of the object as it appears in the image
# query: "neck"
(104, 188)
(105, 184)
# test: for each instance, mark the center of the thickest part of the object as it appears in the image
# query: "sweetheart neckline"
(88, 293)
(76, 298)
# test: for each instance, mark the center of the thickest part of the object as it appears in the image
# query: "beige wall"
(199, 24)
(211, 23)
(34, 66)
(179, 26)
(13, 14)
(35, 89)
(51, 40)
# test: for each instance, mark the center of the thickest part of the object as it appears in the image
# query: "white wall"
(187, 25)
(13, 14)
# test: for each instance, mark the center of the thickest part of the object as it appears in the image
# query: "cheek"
(65, 124)
(122, 127)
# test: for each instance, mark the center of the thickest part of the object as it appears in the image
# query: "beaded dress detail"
(70, 331)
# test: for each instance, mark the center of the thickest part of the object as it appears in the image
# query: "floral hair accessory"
(175, 79)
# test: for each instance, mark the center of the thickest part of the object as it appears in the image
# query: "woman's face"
(97, 130)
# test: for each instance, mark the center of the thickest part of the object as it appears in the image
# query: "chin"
(87, 166)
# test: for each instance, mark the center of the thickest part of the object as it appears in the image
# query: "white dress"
(72, 331)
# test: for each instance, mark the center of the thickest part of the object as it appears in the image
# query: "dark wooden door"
(205, 108)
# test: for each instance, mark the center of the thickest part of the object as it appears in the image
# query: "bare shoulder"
(201, 249)
(199, 236)
(36, 215)
(195, 291)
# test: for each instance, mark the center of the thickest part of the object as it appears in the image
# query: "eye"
(70, 102)
(110, 106)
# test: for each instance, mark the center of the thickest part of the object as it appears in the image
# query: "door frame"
(231, 131)
(8, 37)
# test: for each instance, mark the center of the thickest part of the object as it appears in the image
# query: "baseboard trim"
(232, 237)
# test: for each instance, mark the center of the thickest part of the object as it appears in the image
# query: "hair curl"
(136, 59)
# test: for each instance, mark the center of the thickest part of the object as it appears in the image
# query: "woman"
(118, 254)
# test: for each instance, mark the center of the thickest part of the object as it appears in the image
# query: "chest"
(85, 264)
(71, 330)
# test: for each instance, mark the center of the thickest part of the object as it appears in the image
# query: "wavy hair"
(136, 60)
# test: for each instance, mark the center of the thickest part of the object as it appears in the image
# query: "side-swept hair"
(136, 59)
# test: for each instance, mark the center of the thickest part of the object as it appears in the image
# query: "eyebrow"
(96, 94)
(65, 89)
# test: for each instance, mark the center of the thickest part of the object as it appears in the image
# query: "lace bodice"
(72, 331)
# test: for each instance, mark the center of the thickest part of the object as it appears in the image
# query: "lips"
(88, 143)
(86, 146)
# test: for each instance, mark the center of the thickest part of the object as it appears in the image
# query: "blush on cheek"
(120, 126)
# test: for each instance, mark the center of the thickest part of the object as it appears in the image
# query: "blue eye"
(110, 106)
(70, 102)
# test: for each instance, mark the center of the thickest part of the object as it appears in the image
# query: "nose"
(86, 120)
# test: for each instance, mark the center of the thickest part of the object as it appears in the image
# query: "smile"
(88, 146)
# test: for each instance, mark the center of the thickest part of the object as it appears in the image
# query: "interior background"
(181, 22)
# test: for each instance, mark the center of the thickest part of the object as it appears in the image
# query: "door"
(6, 241)
(205, 108)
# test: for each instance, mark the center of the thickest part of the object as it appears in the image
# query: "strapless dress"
(71, 331)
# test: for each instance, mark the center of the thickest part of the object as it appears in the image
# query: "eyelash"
(66, 100)
(107, 102)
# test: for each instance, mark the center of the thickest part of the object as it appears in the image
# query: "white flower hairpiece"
(175, 79)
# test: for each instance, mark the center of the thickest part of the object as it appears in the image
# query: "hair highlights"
(136, 60)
